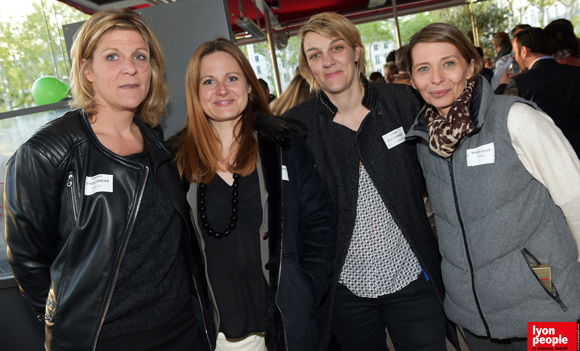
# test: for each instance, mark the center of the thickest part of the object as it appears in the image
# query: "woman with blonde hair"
(257, 204)
(297, 91)
(97, 225)
(504, 184)
(387, 266)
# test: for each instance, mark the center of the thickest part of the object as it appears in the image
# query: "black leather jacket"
(64, 247)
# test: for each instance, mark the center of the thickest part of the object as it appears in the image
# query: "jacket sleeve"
(317, 223)
(549, 158)
(32, 206)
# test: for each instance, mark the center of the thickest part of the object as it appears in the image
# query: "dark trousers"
(413, 317)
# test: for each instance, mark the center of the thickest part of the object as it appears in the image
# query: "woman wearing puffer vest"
(504, 184)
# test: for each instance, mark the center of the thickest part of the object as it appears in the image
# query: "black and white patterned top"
(379, 260)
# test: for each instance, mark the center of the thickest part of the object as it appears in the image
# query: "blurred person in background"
(555, 88)
(402, 76)
(375, 77)
(297, 91)
(390, 69)
(563, 43)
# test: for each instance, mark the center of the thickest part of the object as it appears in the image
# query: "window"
(377, 59)
(257, 58)
(259, 70)
(376, 46)
(385, 45)
(286, 77)
(14, 131)
(283, 64)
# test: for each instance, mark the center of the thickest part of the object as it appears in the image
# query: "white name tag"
(285, 173)
(394, 138)
(481, 155)
(99, 184)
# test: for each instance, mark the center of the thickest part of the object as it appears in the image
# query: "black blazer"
(337, 151)
(555, 88)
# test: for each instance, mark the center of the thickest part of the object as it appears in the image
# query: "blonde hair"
(198, 153)
(85, 42)
(446, 33)
(297, 91)
(329, 25)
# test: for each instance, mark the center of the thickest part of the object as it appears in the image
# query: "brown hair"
(329, 25)
(85, 42)
(297, 91)
(198, 154)
(446, 33)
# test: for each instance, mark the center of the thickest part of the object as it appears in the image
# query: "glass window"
(376, 46)
(385, 45)
(259, 70)
(257, 58)
(13, 131)
(32, 46)
(377, 59)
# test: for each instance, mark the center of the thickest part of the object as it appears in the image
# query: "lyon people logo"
(553, 336)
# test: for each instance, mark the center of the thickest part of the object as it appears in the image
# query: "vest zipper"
(125, 244)
(460, 219)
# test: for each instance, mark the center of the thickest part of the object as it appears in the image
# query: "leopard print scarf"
(445, 131)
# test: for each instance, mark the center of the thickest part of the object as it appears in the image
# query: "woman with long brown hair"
(257, 204)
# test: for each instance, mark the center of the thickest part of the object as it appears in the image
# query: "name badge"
(482, 155)
(285, 174)
(101, 183)
(394, 137)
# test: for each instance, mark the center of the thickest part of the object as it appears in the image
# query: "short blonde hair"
(329, 25)
(85, 42)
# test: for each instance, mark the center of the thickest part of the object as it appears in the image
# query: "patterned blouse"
(379, 260)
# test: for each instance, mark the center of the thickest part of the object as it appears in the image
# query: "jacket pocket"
(532, 260)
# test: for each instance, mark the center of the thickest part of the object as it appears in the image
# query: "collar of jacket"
(152, 140)
(481, 100)
(278, 129)
(506, 50)
(368, 100)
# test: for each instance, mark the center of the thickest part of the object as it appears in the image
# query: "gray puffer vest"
(493, 221)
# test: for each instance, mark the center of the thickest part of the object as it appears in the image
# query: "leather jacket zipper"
(125, 244)
(460, 219)
(69, 185)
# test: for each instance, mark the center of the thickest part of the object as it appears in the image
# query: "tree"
(374, 32)
(542, 5)
(26, 53)
(489, 17)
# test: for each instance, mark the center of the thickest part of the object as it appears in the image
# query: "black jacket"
(65, 248)
(395, 172)
(555, 88)
(298, 246)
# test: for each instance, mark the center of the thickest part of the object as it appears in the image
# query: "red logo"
(553, 336)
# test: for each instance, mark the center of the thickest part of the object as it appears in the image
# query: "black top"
(234, 262)
(153, 284)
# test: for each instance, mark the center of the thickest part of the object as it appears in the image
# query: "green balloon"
(48, 90)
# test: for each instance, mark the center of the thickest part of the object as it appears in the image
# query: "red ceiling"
(293, 13)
